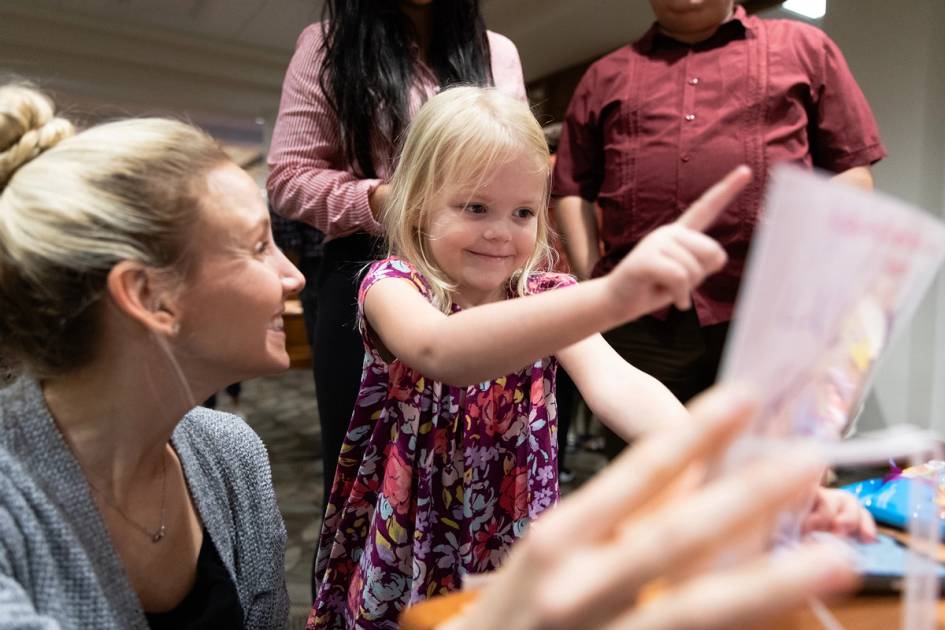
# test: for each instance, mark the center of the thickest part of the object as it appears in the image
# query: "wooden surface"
(429, 614)
(858, 612)
(296, 341)
(853, 613)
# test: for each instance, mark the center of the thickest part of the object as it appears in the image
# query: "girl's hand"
(840, 513)
(586, 563)
(674, 259)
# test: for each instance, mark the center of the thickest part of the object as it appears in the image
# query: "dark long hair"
(368, 66)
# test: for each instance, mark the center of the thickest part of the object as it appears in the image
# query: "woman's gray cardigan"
(58, 568)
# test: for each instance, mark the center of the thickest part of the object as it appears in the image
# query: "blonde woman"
(137, 276)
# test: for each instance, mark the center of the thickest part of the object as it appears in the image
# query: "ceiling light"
(813, 9)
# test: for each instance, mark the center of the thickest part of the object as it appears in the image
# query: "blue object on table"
(888, 500)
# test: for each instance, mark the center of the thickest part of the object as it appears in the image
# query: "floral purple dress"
(434, 481)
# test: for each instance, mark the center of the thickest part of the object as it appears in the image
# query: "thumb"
(704, 211)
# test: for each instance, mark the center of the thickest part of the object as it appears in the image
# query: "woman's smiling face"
(233, 301)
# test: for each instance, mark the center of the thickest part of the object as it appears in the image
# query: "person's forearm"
(859, 176)
(636, 403)
(499, 338)
(333, 201)
(577, 222)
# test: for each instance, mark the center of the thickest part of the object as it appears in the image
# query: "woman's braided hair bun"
(71, 208)
(28, 126)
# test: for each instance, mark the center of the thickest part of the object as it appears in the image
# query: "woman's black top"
(213, 601)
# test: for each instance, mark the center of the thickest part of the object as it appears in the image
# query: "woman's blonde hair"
(72, 206)
(456, 140)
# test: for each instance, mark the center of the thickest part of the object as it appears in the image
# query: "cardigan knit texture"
(58, 567)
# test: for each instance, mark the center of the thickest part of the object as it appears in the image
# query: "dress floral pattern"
(434, 481)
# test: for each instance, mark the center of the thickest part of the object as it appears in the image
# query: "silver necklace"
(160, 532)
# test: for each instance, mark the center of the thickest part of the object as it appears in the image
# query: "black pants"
(677, 351)
(566, 394)
(337, 350)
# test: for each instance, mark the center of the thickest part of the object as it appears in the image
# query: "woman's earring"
(175, 328)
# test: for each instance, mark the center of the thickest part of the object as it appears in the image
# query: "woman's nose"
(292, 279)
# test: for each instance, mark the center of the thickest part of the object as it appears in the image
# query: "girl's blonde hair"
(72, 206)
(458, 138)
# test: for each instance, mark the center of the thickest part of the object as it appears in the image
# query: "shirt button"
(686, 157)
(694, 81)
(690, 117)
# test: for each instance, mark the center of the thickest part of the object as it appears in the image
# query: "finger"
(817, 521)
(847, 521)
(670, 277)
(680, 288)
(684, 257)
(746, 544)
(867, 531)
(646, 469)
(706, 249)
(679, 534)
(821, 513)
(733, 599)
(704, 211)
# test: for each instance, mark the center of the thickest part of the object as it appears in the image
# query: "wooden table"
(858, 612)
(853, 613)
(296, 340)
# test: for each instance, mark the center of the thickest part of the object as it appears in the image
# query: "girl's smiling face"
(480, 237)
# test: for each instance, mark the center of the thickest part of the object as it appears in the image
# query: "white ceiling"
(267, 24)
(224, 59)
(550, 33)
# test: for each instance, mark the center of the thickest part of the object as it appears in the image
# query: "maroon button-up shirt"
(652, 125)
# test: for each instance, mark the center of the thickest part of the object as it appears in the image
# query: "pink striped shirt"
(309, 179)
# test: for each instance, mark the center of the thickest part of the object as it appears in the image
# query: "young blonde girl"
(451, 450)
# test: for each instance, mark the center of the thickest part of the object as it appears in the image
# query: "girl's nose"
(496, 231)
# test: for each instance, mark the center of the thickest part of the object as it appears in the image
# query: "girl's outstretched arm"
(627, 400)
(487, 341)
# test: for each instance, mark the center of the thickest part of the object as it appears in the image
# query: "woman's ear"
(144, 295)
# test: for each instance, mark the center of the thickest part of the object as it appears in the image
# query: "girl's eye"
(475, 208)
(524, 213)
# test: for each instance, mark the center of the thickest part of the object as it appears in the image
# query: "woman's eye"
(262, 247)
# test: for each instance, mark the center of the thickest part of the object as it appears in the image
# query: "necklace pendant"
(159, 534)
